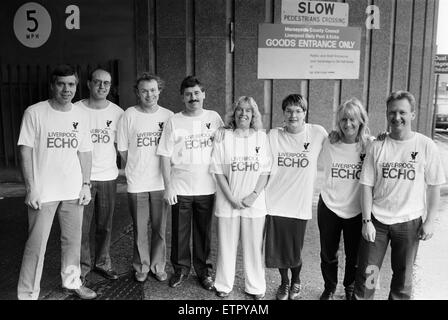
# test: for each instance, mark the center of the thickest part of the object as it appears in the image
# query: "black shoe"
(108, 274)
(177, 279)
(207, 283)
(283, 292)
(348, 294)
(222, 294)
(327, 295)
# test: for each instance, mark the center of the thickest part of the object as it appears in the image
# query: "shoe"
(348, 294)
(327, 295)
(83, 292)
(294, 291)
(207, 283)
(222, 294)
(177, 279)
(258, 296)
(108, 274)
(160, 276)
(141, 276)
(283, 291)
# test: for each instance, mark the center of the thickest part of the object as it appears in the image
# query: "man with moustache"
(186, 146)
(400, 181)
(139, 132)
(104, 116)
(56, 156)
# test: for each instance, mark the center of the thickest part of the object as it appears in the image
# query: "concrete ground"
(431, 277)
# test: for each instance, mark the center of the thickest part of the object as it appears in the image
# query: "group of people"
(258, 185)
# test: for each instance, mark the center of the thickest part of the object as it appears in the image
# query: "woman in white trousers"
(241, 164)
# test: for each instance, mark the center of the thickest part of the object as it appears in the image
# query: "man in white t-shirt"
(139, 133)
(186, 147)
(400, 179)
(104, 116)
(56, 157)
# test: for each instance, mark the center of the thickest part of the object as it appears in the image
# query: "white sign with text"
(314, 13)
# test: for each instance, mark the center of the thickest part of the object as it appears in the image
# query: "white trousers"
(251, 230)
(40, 221)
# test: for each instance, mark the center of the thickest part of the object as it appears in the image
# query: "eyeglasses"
(98, 83)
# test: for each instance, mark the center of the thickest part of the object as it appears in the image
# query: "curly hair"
(255, 122)
(352, 108)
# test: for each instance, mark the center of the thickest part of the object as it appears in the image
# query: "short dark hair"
(63, 70)
(90, 75)
(190, 81)
(399, 95)
(295, 99)
(150, 77)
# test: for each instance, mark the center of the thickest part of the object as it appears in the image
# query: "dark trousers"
(199, 211)
(330, 228)
(404, 243)
(102, 207)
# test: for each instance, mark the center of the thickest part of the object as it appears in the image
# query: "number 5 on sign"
(32, 25)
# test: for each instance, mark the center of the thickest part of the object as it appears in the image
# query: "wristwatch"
(87, 184)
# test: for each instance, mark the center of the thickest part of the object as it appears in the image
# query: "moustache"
(191, 101)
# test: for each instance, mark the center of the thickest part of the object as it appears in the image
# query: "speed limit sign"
(32, 25)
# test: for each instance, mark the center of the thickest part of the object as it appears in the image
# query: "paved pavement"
(431, 277)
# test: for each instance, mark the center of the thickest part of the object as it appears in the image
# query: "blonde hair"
(255, 122)
(353, 108)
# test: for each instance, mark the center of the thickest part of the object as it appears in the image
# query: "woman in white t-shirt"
(339, 204)
(289, 193)
(241, 165)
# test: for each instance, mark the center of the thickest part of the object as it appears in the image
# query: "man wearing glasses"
(103, 116)
(139, 132)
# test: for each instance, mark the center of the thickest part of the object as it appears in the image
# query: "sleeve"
(323, 133)
(122, 133)
(86, 143)
(324, 156)
(120, 116)
(434, 172)
(368, 168)
(219, 122)
(273, 143)
(166, 143)
(217, 160)
(267, 161)
(27, 135)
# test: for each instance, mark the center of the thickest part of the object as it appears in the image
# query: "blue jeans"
(404, 243)
(102, 208)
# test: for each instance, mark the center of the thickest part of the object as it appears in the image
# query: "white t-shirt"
(342, 169)
(56, 137)
(398, 172)
(103, 130)
(289, 192)
(241, 161)
(188, 141)
(139, 134)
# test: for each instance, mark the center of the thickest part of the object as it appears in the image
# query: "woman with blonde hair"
(241, 165)
(339, 205)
